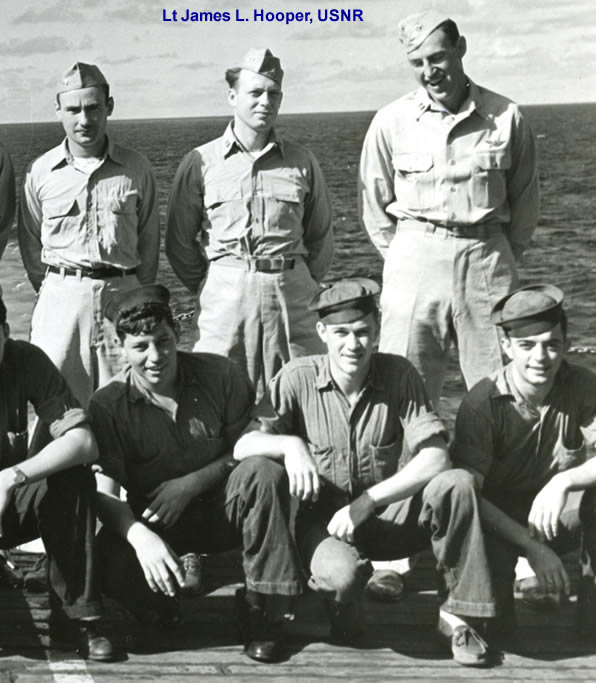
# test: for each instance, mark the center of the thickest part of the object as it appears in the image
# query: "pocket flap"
(413, 163)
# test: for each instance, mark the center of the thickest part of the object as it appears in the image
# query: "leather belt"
(95, 273)
(260, 264)
(479, 231)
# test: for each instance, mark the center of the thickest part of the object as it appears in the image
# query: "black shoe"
(346, 622)
(36, 579)
(262, 638)
(82, 636)
(10, 574)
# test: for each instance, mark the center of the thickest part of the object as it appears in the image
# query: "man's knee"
(339, 570)
(263, 473)
(454, 483)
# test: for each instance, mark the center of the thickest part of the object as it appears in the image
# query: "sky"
(535, 52)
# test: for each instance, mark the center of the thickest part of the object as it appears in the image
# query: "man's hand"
(302, 470)
(543, 520)
(347, 519)
(548, 568)
(160, 564)
(169, 500)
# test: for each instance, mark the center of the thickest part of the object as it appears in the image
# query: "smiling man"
(249, 229)
(525, 433)
(166, 427)
(340, 423)
(449, 196)
(88, 228)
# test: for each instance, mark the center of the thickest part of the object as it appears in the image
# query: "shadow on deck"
(399, 643)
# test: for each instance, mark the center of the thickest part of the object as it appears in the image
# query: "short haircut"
(562, 322)
(105, 87)
(232, 76)
(143, 319)
(451, 30)
(2, 312)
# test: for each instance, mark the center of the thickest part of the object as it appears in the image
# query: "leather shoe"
(386, 585)
(262, 638)
(466, 645)
(82, 636)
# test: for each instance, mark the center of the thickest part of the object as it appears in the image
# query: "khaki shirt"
(72, 219)
(516, 446)
(455, 170)
(274, 205)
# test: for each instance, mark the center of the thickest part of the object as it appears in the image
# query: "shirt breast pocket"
(566, 458)
(385, 460)
(414, 180)
(489, 182)
(284, 199)
(119, 224)
(60, 222)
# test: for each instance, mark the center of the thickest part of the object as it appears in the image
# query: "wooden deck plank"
(399, 643)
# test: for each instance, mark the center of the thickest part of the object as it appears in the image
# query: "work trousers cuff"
(90, 610)
(481, 610)
(274, 588)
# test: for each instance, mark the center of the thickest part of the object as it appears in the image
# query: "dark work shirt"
(142, 445)
(27, 375)
(517, 446)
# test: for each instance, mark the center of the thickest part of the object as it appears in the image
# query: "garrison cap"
(415, 28)
(81, 75)
(261, 61)
(346, 300)
(529, 310)
(124, 301)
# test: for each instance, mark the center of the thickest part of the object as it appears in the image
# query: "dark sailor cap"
(81, 75)
(124, 301)
(262, 61)
(346, 300)
(415, 28)
(529, 310)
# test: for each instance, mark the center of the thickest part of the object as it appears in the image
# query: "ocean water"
(561, 253)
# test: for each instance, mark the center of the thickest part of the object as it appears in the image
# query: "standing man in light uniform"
(88, 228)
(249, 229)
(449, 196)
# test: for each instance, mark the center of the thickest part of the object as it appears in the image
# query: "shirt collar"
(61, 154)
(137, 392)
(473, 102)
(230, 142)
(375, 377)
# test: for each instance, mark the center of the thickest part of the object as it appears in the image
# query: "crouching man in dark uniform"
(166, 428)
(51, 494)
(339, 422)
(524, 432)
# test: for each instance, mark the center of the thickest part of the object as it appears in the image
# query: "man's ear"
(110, 105)
(506, 346)
(322, 332)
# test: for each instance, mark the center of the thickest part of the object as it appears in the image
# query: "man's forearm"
(429, 462)
(208, 477)
(261, 443)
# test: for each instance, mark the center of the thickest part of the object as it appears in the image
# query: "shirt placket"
(91, 220)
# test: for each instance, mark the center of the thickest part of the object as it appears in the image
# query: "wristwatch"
(20, 478)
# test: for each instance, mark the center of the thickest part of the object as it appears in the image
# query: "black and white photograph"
(297, 353)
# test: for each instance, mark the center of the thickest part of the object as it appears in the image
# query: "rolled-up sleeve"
(376, 187)
(240, 398)
(419, 420)
(522, 187)
(7, 197)
(184, 218)
(112, 452)
(317, 224)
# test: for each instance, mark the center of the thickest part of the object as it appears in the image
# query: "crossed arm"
(430, 460)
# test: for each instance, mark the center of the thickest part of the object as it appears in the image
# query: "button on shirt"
(142, 445)
(516, 446)
(354, 447)
(79, 220)
(455, 170)
(276, 203)
(28, 376)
